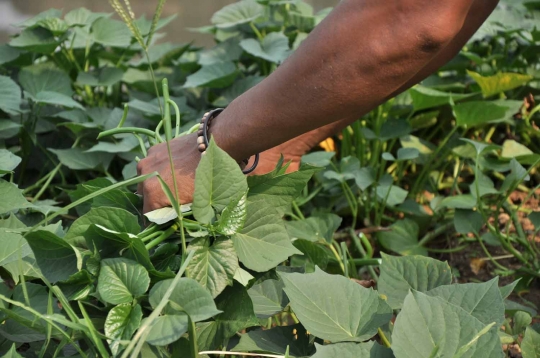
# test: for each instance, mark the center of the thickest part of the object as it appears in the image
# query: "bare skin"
(329, 82)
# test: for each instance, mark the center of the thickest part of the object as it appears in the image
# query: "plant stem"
(193, 338)
(427, 167)
(297, 210)
(435, 233)
(366, 262)
(151, 236)
(385, 340)
(51, 176)
(256, 31)
(129, 130)
(364, 254)
(164, 236)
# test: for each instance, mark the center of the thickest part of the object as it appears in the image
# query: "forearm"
(479, 12)
(331, 77)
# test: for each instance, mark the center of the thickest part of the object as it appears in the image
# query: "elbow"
(433, 30)
(431, 39)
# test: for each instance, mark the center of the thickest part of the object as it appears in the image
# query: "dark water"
(190, 13)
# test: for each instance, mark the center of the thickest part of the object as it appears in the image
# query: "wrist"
(229, 136)
(204, 135)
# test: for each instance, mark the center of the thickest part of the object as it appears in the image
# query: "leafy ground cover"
(414, 233)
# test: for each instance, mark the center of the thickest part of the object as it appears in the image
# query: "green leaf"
(479, 146)
(213, 266)
(218, 180)
(391, 195)
(424, 97)
(8, 129)
(394, 128)
(56, 258)
(47, 14)
(274, 47)
(188, 298)
(12, 222)
(427, 324)
(476, 113)
(481, 300)
(237, 14)
(508, 289)
(401, 274)
(114, 219)
(121, 322)
(217, 75)
(534, 217)
(402, 238)
(318, 159)
(187, 295)
(353, 350)
(12, 353)
(233, 217)
(468, 221)
(530, 346)
(78, 286)
(78, 159)
(166, 214)
(165, 257)
(276, 341)
(24, 326)
(466, 201)
(83, 17)
(121, 280)
(521, 321)
(13, 247)
(56, 99)
(318, 228)
(109, 244)
(517, 175)
(279, 189)
(335, 308)
(8, 161)
(227, 51)
(501, 82)
(109, 32)
(10, 96)
(12, 198)
(243, 277)
(425, 148)
(8, 54)
(512, 149)
(512, 307)
(268, 298)
(313, 251)
(45, 77)
(365, 177)
(403, 154)
(237, 315)
(264, 242)
(145, 24)
(38, 40)
(106, 76)
(55, 25)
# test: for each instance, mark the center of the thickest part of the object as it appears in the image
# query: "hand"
(185, 159)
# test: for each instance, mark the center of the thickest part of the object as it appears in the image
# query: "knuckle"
(141, 167)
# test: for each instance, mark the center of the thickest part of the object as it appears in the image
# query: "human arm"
(293, 149)
(329, 78)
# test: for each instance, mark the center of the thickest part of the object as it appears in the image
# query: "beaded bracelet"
(202, 138)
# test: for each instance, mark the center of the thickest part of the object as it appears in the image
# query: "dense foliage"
(274, 264)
